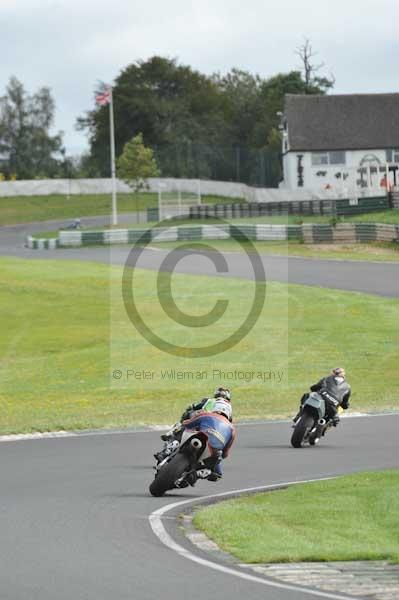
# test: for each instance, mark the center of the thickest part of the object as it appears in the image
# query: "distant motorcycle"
(312, 423)
(188, 460)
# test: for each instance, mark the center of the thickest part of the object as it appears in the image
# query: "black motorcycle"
(313, 422)
(187, 461)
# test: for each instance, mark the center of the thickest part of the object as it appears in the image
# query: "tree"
(313, 83)
(242, 105)
(166, 102)
(26, 146)
(136, 164)
(218, 127)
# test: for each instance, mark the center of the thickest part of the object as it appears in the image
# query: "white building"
(342, 144)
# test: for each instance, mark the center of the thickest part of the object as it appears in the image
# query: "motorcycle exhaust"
(196, 443)
(322, 421)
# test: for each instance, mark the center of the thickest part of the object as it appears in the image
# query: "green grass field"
(61, 339)
(387, 216)
(24, 209)
(286, 525)
(374, 251)
(384, 216)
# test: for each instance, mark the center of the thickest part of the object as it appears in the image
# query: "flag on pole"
(103, 97)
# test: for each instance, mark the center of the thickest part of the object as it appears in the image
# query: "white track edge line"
(46, 435)
(155, 520)
(20, 437)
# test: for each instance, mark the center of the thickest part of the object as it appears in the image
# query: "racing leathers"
(201, 410)
(335, 391)
(205, 405)
(221, 435)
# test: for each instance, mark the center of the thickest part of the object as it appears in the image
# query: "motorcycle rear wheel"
(305, 424)
(168, 474)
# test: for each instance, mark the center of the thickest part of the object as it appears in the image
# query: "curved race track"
(361, 276)
(74, 511)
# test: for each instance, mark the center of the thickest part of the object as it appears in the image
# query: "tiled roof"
(342, 122)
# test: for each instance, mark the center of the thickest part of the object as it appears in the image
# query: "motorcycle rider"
(200, 409)
(335, 390)
(206, 404)
(217, 424)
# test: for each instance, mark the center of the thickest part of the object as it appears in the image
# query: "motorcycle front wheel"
(168, 474)
(303, 426)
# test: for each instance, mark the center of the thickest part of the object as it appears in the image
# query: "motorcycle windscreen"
(317, 402)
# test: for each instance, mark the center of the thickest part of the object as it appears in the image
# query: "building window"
(319, 158)
(337, 158)
(328, 158)
(392, 155)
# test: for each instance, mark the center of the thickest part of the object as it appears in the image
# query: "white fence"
(71, 187)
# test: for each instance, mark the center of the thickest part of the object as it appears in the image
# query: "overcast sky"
(70, 45)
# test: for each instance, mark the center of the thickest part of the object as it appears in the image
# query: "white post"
(160, 211)
(369, 177)
(180, 211)
(113, 176)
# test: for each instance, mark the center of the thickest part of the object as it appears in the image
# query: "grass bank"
(282, 526)
(385, 216)
(25, 209)
(374, 251)
(65, 332)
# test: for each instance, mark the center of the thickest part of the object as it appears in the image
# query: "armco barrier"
(342, 233)
(340, 207)
(364, 205)
(42, 243)
(329, 207)
(349, 233)
(178, 233)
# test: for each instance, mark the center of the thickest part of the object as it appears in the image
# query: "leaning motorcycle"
(188, 460)
(313, 421)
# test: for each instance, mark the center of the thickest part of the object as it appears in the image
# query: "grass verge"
(65, 330)
(375, 251)
(25, 209)
(280, 526)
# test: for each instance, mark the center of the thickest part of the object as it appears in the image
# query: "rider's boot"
(168, 448)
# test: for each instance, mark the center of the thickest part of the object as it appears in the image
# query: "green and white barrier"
(42, 243)
(179, 233)
(349, 233)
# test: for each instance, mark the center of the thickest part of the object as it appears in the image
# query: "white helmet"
(339, 372)
(222, 392)
(222, 407)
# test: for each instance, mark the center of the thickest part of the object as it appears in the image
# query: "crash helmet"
(222, 392)
(223, 407)
(339, 372)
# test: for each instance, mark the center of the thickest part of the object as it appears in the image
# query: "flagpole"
(113, 176)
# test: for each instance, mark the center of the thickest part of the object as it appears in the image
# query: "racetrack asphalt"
(74, 512)
(361, 276)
